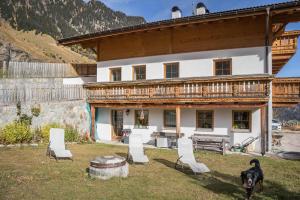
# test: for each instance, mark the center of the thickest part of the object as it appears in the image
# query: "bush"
(15, 132)
(45, 130)
(71, 134)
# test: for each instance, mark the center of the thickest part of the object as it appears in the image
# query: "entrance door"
(117, 124)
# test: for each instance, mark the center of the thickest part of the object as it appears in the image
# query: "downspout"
(267, 71)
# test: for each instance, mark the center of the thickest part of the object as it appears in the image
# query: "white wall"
(103, 124)
(222, 124)
(79, 80)
(196, 64)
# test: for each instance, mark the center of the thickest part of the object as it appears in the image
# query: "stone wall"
(75, 113)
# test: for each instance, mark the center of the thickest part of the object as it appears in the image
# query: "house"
(210, 73)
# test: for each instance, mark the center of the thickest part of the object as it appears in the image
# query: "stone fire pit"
(106, 167)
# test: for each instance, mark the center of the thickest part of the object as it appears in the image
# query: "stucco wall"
(196, 64)
(79, 80)
(73, 113)
(222, 124)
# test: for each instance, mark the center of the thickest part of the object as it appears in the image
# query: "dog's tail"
(256, 162)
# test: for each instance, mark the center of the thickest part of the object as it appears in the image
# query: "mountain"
(28, 46)
(286, 114)
(63, 18)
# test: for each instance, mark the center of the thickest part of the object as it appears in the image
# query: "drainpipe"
(268, 119)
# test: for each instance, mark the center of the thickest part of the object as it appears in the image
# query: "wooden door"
(117, 124)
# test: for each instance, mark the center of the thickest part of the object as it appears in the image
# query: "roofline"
(185, 20)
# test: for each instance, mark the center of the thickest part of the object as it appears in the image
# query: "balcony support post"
(178, 121)
(92, 122)
(264, 129)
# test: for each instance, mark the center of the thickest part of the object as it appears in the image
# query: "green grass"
(28, 174)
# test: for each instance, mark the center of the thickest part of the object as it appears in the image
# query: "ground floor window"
(141, 118)
(169, 118)
(204, 119)
(241, 120)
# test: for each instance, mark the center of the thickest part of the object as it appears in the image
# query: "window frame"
(222, 60)
(134, 77)
(135, 120)
(212, 120)
(165, 125)
(111, 74)
(165, 69)
(249, 121)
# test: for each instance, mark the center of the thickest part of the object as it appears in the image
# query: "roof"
(174, 22)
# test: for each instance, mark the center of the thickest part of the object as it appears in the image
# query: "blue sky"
(154, 10)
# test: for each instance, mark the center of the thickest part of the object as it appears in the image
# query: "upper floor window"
(222, 67)
(139, 72)
(169, 118)
(204, 119)
(172, 70)
(241, 120)
(115, 74)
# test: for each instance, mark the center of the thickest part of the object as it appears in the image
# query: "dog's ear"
(243, 175)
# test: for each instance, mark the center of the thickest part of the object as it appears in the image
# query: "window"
(141, 119)
(139, 72)
(172, 70)
(170, 118)
(115, 74)
(241, 120)
(222, 67)
(204, 119)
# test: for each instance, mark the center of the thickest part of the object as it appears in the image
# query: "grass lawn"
(28, 174)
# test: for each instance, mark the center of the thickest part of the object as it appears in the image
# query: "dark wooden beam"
(93, 122)
(178, 116)
(263, 122)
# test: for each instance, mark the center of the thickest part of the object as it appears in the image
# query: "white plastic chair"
(186, 156)
(57, 147)
(136, 149)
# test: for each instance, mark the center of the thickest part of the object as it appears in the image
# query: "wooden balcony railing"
(213, 89)
(286, 43)
(286, 91)
(283, 48)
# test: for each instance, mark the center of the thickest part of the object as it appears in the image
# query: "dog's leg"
(249, 192)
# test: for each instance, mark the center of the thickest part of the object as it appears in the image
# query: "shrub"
(45, 130)
(71, 134)
(16, 132)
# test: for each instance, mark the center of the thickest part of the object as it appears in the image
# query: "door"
(117, 124)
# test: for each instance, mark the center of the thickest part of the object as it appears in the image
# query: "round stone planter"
(106, 167)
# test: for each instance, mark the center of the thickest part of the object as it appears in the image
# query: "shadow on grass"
(230, 185)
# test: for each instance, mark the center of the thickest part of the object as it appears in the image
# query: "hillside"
(63, 18)
(30, 46)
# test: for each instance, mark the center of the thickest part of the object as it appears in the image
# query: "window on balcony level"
(222, 67)
(241, 120)
(204, 119)
(115, 74)
(169, 118)
(141, 118)
(172, 70)
(139, 72)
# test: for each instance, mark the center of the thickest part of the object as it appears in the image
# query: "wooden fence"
(40, 94)
(45, 70)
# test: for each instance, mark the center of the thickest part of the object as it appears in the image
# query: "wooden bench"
(210, 142)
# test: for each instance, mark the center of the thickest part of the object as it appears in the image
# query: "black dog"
(251, 177)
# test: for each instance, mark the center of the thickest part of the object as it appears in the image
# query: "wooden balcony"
(225, 89)
(283, 49)
(286, 92)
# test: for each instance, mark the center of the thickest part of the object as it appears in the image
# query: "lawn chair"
(186, 156)
(136, 149)
(56, 146)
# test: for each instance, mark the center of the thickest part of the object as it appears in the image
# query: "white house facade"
(208, 74)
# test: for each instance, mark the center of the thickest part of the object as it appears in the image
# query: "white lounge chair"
(186, 156)
(56, 146)
(136, 149)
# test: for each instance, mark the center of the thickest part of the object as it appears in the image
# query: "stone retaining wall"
(75, 113)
